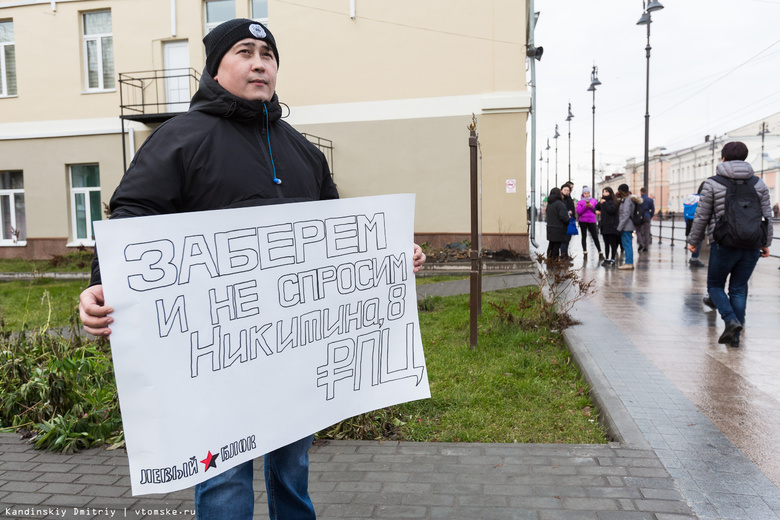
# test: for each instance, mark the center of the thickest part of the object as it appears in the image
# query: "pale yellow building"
(387, 89)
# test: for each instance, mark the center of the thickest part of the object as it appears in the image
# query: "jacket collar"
(213, 99)
(735, 170)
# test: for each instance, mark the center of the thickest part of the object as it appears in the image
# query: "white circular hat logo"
(257, 30)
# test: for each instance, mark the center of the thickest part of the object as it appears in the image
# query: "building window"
(98, 51)
(85, 206)
(7, 60)
(259, 10)
(12, 221)
(218, 11)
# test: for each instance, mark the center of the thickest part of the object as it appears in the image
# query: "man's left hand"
(764, 252)
(418, 258)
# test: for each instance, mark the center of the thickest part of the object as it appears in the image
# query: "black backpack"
(638, 215)
(742, 224)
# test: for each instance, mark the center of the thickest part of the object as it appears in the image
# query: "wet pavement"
(657, 309)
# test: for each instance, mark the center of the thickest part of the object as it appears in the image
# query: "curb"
(612, 412)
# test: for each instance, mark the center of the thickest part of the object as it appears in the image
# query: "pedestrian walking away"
(607, 210)
(586, 213)
(735, 214)
(231, 149)
(557, 223)
(648, 210)
(628, 204)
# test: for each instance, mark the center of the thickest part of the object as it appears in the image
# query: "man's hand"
(691, 248)
(94, 312)
(418, 258)
(764, 252)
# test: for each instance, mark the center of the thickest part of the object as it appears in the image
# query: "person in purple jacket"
(586, 211)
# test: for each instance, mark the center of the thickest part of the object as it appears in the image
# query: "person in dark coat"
(571, 208)
(231, 149)
(557, 223)
(607, 209)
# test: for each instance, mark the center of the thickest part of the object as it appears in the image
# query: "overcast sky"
(714, 66)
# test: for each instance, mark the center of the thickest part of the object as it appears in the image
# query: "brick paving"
(356, 479)
(669, 462)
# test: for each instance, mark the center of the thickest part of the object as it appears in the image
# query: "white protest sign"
(240, 331)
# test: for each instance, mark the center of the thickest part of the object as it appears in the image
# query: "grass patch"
(516, 386)
(425, 280)
(28, 304)
(76, 261)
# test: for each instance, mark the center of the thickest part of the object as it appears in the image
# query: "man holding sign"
(230, 150)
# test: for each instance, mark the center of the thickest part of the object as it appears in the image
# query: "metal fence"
(670, 229)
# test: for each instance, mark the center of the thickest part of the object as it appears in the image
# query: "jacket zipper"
(264, 140)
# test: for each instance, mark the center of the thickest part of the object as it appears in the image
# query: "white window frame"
(263, 21)
(11, 193)
(89, 240)
(210, 25)
(98, 39)
(3, 65)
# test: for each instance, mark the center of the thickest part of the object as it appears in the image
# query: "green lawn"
(518, 385)
(76, 261)
(26, 304)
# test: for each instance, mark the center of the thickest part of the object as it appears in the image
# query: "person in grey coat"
(725, 262)
(628, 203)
(557, 223)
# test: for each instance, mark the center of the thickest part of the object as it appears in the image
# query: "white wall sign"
(511, 186)
(239, 331)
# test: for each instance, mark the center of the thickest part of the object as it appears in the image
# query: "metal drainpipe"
(173, 18)
(531, 27)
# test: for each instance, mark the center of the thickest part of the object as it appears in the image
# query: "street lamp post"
(556, 136)
(762, 133)
(646, 19)
(594, 82)
(568, 120)
(548, 161)
(541, 160)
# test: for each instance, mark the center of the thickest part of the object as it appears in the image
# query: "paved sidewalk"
(671, 462)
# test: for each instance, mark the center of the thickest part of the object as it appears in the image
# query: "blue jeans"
(229, 495)
(739, 264)
(627, 239)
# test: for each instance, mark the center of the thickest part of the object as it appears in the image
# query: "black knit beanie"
(227, 34)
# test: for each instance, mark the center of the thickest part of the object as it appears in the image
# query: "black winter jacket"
(570, 206)
(221, 154)
(557, 221)
(609, 217)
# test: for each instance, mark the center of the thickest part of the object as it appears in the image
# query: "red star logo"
(210, 462)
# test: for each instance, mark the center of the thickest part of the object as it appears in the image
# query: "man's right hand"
(94, 312)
